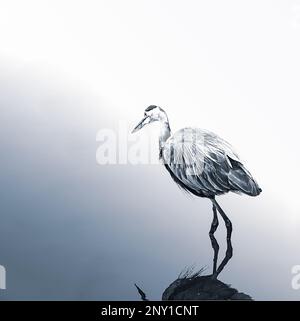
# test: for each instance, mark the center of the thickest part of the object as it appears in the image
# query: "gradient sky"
(72, 229)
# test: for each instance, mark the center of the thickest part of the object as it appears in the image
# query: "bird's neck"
(165, 133)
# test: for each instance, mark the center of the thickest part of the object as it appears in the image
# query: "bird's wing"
(200, 160)
(203, 163)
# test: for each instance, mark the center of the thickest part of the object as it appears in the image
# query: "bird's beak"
(141, 124)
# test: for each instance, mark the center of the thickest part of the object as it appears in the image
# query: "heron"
(201, 163)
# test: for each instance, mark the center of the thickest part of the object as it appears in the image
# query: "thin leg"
(215, 247)
(215, 222)
(214, 243)
(229, 250)
(228, 256)
(225, 218)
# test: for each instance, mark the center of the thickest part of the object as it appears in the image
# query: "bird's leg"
(228, 256)
(215, 247)
(225, 218)
(215, 222)
(214, 243)
(229, 250)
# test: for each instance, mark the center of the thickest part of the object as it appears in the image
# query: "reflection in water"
(195, 286)
(215, 245)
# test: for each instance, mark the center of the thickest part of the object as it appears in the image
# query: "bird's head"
(152, 113)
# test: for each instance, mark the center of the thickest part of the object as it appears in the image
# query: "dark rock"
(201, 288)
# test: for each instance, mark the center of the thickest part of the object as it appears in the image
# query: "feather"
(204, 164)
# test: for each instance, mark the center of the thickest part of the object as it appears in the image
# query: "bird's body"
(205, 165)
(201, 163)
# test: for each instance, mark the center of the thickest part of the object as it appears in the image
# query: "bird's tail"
(242, 181)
